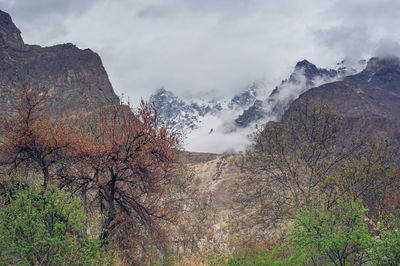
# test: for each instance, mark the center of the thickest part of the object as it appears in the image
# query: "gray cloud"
(209, 46)
(387, 48)
(346, 40)
(361, 28)
(35, 10)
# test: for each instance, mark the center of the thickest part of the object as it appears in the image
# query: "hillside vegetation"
(113, 188)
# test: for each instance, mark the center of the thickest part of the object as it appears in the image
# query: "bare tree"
(127, 163)
(292, 162)
(31, 139)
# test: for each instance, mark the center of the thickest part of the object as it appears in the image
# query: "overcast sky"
(209, 46)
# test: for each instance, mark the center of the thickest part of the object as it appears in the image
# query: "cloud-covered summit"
(213, 46)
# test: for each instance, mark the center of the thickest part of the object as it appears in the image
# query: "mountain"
(189, 113)
(177, 113)
(249, 106)
(76, 79)
(304, 76)
(369, 101)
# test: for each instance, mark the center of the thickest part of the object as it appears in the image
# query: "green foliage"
(341, 234)
(311, 171)
(278, 256)
(337, 234)
(291, 162)
(45, 227)
(307, 154)
(387, 244)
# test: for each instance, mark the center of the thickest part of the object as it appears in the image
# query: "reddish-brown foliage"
(30, 138)
(121, 159)
(128, 163)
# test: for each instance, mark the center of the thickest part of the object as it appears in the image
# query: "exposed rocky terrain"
(78, 82)
(215, 174)
(76, 79)
(368, 101)
(304, 76)
(250, 106)
(189, 113)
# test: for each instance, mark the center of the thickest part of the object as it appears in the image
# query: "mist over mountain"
(304, 76)
(189, 113)
(369, 101)
(78, 82)
(224, 125)
(89, 179)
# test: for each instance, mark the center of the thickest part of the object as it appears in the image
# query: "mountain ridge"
(368, 101)
(304, 76)
(189, 113)
(76, 78)
(250, 105)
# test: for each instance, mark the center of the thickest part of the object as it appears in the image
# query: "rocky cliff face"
(76, 78)
(368, 101)
(304, 76)
(188, 113)
(249, 106)
(233, 118)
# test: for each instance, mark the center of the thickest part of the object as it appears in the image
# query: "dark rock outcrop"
(176, 113)
(368, 101)
(304, 76)
(246, 98)
(76, 79)
(188, 113)
(254, 113)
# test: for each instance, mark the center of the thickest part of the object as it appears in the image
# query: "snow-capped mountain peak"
(216, 121)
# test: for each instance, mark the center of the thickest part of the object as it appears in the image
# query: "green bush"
(386, 249)
(336, 234)
(45, 227)
(278, 256)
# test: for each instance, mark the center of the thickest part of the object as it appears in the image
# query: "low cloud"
(348, 41)
(360, 28)
(214, 137)
(387, 48)
(212, 47)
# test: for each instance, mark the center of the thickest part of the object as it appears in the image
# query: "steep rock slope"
(304, 76)
(215, 174)
(368, 101)
(189, 113)
(251, 105)
(76, 79)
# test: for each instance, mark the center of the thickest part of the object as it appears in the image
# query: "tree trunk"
(45, 171)
(110, 194)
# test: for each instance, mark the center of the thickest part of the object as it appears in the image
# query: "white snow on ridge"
(209, 125)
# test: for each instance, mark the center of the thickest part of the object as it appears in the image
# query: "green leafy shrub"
(278, 256)
(45, 227)
(387, 244)
(338, 234)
